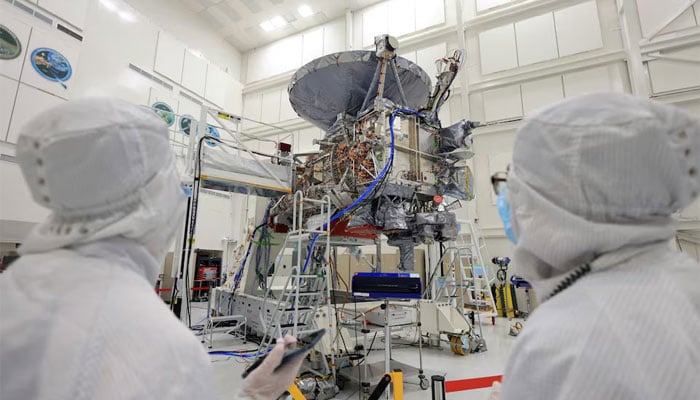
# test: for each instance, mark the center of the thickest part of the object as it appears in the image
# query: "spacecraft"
(386, 162)
(385, 167)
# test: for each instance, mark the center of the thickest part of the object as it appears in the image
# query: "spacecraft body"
(385, 161)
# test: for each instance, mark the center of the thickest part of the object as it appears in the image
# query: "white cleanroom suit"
(592, 187)
(80, 318)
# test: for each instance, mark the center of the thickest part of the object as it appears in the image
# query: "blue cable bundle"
(240, 355)
(370, 188)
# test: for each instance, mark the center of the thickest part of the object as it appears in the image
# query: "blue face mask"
(504, 212)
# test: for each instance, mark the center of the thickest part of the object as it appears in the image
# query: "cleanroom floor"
(436, 361)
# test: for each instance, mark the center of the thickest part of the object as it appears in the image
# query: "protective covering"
(392, 217)
(406, 255)
(337, 83)
(242, 174)
(456, 182)
(593, 184)
(455, 136)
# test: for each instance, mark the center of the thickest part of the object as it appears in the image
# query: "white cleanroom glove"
(495, 391)
(264, 383)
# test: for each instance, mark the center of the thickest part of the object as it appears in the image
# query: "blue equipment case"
(382, 285)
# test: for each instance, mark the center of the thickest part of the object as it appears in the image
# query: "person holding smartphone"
(80, 318)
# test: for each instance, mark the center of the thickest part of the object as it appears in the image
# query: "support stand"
(437, 383)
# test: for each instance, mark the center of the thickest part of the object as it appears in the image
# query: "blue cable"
(241, 355)
(239, 273)
(369, 189)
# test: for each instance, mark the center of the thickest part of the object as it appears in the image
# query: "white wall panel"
(476, 107)
(497, 49)
(13, 68)
(177, 18)
(271, 106)
(536, 39)
(287, 54)
(482, 5)
(334, 37)
(29, 103)
(252, 108)
(218, 82)
(684, 21)
(654, 14)
(541, 93)
(455, 103)
(214, 221)
(402, 17)
(446, 114)
(286, 110)
(8, 91)
(667, 75)
(304, 140)
(429, 13)
(312, 45)
(40, 38)
(106, 73)
(599, 79)
(234, 97)
(73, 11)
(411, 56)
(492, 154)
(374, 22)
(102, 69)
(170, 55)
(169, 98)
(691, 106)
(503, 103)
(17, 204)
(426, 57)
(279, 57)
(194, 73)
(290, 53)
(578, 28)
(258, 65)
(268, 147)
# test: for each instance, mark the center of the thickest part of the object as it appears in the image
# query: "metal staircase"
(480, 298)
(307, 286)
(465, 284)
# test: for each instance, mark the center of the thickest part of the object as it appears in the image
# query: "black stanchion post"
(437, 384)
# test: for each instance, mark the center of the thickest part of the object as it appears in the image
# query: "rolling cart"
(386, 287)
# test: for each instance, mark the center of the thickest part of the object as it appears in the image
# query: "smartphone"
(304, 345)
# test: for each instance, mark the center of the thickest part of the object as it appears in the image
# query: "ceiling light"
(127, 16)
(305, 11)
(109, 4)
(123, 11)
(278, 22)
(267, 26)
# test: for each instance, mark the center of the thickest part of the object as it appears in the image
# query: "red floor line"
(471, 383)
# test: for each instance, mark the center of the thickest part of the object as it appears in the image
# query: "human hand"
(264, 383)
(495, 391)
